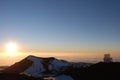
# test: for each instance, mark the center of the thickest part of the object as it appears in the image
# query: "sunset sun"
(11, 48)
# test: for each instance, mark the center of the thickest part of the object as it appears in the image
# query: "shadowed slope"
(19, 66)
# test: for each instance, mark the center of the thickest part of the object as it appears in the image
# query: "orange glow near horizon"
(12, 54)
(75, 57)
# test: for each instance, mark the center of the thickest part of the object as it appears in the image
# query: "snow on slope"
(36, 68)
(42, 65)
(59, 64)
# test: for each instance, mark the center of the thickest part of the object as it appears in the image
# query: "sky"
(71, 26)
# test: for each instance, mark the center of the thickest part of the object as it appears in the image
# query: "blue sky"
(61, 25)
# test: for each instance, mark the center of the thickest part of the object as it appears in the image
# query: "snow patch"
(58, 64)
(36, 68)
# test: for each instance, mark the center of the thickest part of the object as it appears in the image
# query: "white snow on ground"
(36, 68)
(58, 64)
(63, 77)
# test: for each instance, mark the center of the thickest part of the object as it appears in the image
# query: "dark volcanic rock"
(19, 67)
(13, 76)
(99, 71)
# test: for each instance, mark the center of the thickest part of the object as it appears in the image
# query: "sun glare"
(11, 48)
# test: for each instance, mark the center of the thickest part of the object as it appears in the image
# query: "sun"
(11, 48)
